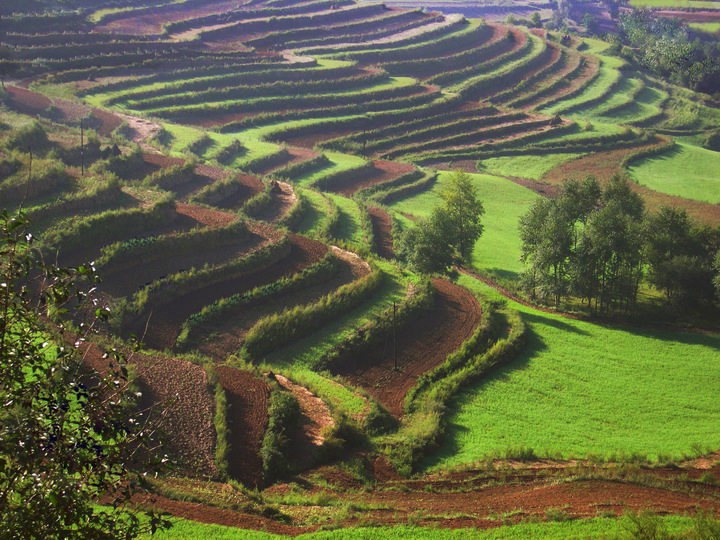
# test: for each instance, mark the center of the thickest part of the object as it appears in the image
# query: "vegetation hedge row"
(507, 54)
(431, 66)
(273, 24)
(424, 427)
(102, 192)
(231, 152)
(552, 85)
(407, 178)
(215, 193)
(274, 89)
(502, 130)
(266, 161)
(237, 78)
(510, 76)
(442, 129)
(301, 168)
(351, 99)
(577, 90)
(283, 415)
(217, 68)
(240, 15)
(173, 176)
(274, 331)
(332, 181)
(195, 327)
(352, 32)
(376, 331)
(47, 176)
(450, 37)
(407, 190)
(296, 213)
(129, 253)
(543, 73)
(187, 281)
(111, 225)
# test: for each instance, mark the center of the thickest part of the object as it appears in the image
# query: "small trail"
(316, 419)
(283, 198)
(143, 131)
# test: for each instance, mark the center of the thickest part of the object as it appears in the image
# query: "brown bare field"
(421, 345)
(248, 399)
(226, 337)
(382, 231)
(383, 171)
(162, 327)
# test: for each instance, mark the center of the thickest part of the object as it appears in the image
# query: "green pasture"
(595, 528)
(350, 226)
(582, 390)
(686, 171)
(708, 28)
(532, 167)
(497, 253)
(316, 214)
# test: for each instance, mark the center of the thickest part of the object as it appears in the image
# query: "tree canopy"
(449, 234)
(68, 434)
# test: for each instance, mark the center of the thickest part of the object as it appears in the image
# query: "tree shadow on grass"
(554, 321)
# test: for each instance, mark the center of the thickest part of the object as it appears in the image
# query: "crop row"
(246, 14)
(368, 28)
(277, 89)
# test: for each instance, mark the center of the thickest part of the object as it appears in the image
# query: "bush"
(30, 138)
(284, 413)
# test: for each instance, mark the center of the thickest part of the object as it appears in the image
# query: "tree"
(450, 232)
(7, 65)
(66, 434)
(462, 211)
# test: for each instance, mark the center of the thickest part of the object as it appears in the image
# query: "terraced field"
(267, 156)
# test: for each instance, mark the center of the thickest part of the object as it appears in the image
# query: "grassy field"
(584, 528)
(708, 28)
(532, 167)
(581, 389)
(498, 250)
(686, 171)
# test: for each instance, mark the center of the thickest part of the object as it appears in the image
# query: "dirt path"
(421, 345)
(309, 435)
(143, 131)
(248, 399)
(382, 231)
(282, 201)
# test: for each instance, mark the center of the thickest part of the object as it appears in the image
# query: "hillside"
(247, 172)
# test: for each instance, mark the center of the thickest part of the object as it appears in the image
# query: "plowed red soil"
(178, 400)
(421, 345)
(208, 217)
(383, 171)
(153, 23)
(26, 101)
(382, 231)
(587, 73)
(127, 281)
(247, 416)
(247, 186)
(309, 140)
(227, 336)
(295, 155)
(308, 435)
(603, 165)
(166, 319)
